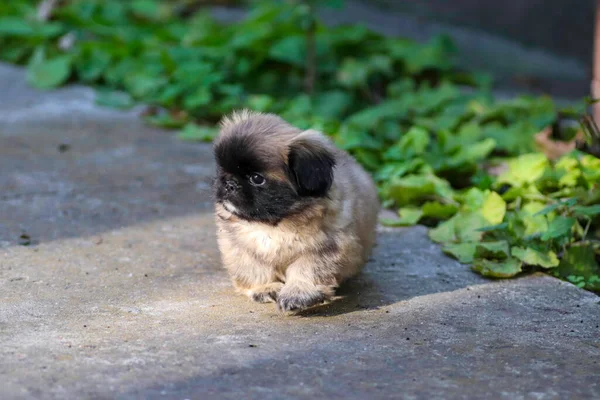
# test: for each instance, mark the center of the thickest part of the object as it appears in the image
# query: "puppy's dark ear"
(311, 166)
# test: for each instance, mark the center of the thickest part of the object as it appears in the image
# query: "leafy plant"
(456, 160)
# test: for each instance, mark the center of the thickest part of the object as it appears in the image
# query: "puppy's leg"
(308, 282)
(255, 280)
(250, 277)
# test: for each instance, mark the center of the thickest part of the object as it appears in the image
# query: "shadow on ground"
(430, 347)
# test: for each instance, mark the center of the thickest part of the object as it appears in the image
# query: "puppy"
(295, 215)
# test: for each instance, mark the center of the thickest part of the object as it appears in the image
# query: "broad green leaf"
(530, 256)
(415, 141)
(444, 232)
(151, 9)
(580, 261)
(467, 226)
(45, 73)
(143, 84)
(533, 222)
(201, 97)
(15, 26)
(559, 227)
(260, 102)
(91, 65)
(517, 138)
(587, 211)
(525, 169)
(291, 49)
(193, 132)
(409, 215)
(568, 171)
(498, 250)
(411, 188)
(114, 99)
(463, 252)
(437, 210)
(493, 208)
(333, 104)
(498, 269)
(473, 199)
(491, 228)
(553, 207)
(353, 73)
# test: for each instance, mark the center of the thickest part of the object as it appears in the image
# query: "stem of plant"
(595, 86)
(311, 57)
(587, 228)
(45, 9)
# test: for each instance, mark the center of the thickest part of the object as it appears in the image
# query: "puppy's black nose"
(230, 186)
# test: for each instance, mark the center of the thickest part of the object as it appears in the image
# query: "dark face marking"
(239, 159)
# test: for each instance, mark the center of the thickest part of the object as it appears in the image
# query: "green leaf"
(410, 216)
(580, 261)
(463, 252)
(498, 269)
(414, 142)
(352, 73)
(587, 211)
(260, 102)
(193, 132)
(553, 207)
(444, 232)
(45, 73)
(493, 208)
(491, 228)
(290, 49)
(516, 138)
(467, 226)
(201, 97)
(15, 26)
(413, 188)
(493, 250)
(333, 104)
(530, 256)
(525, 169)
(533, 222)
(92, 64)
(150, 9)
(559, 227)
(437, 210)
(114, 99)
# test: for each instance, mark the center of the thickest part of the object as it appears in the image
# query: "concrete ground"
(111, 287)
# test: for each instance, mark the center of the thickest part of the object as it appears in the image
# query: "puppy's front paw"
(294, 298)
(266, 293)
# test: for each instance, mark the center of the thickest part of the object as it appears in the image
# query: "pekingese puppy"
(295, 215)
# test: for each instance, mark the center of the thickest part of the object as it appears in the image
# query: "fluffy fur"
(295, 215)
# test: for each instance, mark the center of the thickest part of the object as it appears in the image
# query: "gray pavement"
(111, 287)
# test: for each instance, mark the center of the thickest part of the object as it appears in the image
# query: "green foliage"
(398, 106)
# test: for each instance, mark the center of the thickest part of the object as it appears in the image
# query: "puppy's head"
(268, 170)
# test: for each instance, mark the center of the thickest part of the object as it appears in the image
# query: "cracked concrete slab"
(120, 293)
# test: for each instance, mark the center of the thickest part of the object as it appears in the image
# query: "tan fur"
(302, 260)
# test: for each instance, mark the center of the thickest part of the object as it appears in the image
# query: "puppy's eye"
(257, 179)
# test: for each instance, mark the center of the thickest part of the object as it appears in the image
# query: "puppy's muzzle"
(230, 187)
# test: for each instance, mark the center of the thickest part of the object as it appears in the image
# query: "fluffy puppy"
(295, 215)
